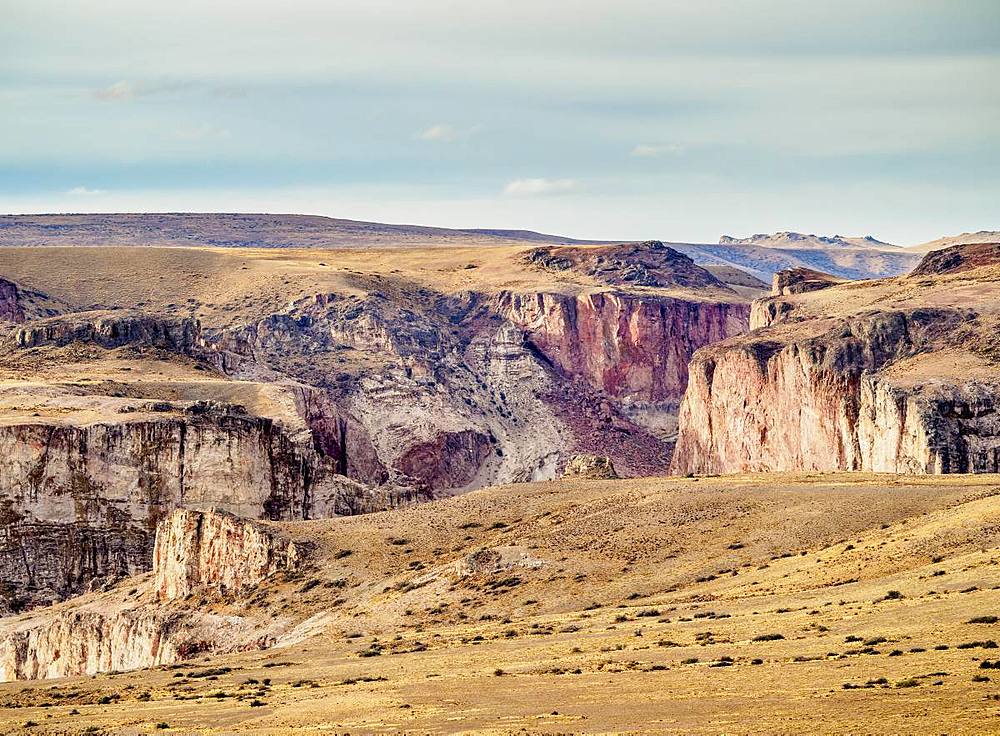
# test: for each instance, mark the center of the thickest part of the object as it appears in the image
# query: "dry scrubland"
(744, 604)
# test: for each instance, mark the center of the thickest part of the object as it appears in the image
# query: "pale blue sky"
(613, 119)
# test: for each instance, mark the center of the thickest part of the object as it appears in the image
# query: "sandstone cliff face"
(634, 348)
(80, 502)
(197, 551)
(827, 402)
(213, 553)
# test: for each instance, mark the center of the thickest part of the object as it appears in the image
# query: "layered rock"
(830, 401)
(111, 330)
(81, 502)
(633, 347)
(217, 551)
(213, 554)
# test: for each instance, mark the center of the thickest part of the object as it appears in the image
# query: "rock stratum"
(320, 383)
(894, 376)
(209, 554)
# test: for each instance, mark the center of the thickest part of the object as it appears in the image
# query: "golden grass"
(639, 578)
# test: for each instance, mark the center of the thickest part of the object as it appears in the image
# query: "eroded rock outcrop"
(217, 551)
(111, 330)
(209, 553)
(633, 347)
(80, 503)
(958, 259)
(649, 263)
(591, 467)
(11, 309)
(831, 401)
(801, 280)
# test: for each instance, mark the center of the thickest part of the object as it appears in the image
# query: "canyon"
(304, 384)
(281, 482)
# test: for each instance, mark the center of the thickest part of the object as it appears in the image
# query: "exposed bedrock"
(111, 330)
(80, 502)
(209, 554)
(829, 402)
(217, 551)
(11, 309)
(635, 348)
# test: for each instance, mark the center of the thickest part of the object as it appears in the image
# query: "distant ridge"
(800, 241)
(980, 236)
(258, 230)
(760, 256)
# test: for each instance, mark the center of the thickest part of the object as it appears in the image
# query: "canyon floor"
(784, 603)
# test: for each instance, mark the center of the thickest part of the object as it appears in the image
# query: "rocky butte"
(898, 375)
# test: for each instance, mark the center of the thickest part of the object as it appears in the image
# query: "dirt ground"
(751, 604)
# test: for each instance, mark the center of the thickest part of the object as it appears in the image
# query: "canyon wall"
(827, 401)
(79, 504)
(218, 551)
(213, 553)
(633, 347)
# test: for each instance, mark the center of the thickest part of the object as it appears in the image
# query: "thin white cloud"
(539, 187)
(85, 192)
(654, 150)
(445, 133)
(120, 90)
(203, 132)
(123, 89)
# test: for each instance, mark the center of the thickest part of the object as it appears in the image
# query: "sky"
(617, 119)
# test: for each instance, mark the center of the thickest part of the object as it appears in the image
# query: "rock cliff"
(633, 347)
(198, 551)
(211, 554)
(80, 503)
(863, 378)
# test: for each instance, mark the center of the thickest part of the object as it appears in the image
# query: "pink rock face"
(768, 403)
(216, 551)
(632, 347)
(10, 306)
(449, 460)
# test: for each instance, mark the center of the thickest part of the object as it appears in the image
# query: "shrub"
(768, 637)
(983, 620)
